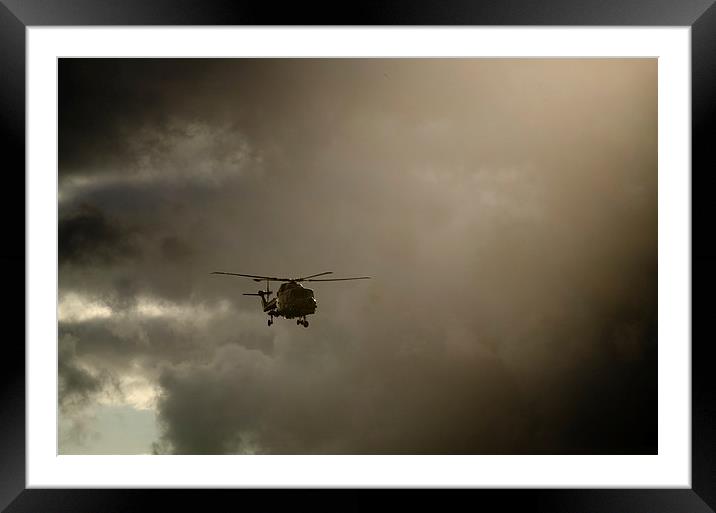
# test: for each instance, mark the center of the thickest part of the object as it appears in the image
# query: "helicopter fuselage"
(294, 300)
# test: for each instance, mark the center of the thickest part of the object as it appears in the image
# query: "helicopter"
(293, 300)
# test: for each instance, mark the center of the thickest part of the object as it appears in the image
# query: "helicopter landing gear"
(270, 321)
(302, 322)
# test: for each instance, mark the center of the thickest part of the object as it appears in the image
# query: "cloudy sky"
(506, 209)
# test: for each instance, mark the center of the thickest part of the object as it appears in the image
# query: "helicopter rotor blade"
(307, 278)
(344, 279)
(254, 276)
(313, 276)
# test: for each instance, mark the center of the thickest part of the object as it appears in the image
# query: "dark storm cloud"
(76, 384)
(117, 113)
(100, 103)
(86, 235)
(506, 210)
(240, 400)
(175, 250)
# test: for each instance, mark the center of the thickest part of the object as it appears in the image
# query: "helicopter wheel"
(305, 324)
(298, 321)
(270, 321)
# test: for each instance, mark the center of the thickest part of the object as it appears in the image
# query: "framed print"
(475, 228)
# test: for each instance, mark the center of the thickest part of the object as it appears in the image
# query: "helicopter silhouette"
(292, 300)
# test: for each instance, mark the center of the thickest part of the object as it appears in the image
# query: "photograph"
(357, 256)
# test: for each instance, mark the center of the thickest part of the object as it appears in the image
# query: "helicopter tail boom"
(267, 305)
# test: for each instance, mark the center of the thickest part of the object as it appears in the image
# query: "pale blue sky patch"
(109, 429)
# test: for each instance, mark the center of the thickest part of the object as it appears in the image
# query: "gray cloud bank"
(505, 208)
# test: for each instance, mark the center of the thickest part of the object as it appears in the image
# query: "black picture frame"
(17, 15)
